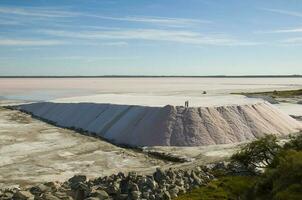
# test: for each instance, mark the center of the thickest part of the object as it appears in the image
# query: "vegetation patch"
(274, 94)
(229, 187)
(276, 173)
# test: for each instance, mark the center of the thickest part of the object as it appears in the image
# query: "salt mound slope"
(169, 125)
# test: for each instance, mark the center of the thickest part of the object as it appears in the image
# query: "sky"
(143, 37)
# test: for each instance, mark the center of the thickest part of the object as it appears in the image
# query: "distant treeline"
(142, 76)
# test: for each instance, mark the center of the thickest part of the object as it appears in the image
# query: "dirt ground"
(32, 151)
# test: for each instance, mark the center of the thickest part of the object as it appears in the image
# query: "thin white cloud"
(88, 58)
(43, 12)
(284, 12)
(290, 30)
(296, 40)
(77, 58)
(163, 21)
(188, 37)
(36, 12)
(22, 42)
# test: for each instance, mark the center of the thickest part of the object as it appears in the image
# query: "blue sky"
(143, 37)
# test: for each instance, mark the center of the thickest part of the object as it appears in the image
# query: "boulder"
(101, 194)
(135, 195)
(23, 195)
(159, 175)
(166, 195)
(77, 179)
(39, 189)
(81, 191)
(49, 196)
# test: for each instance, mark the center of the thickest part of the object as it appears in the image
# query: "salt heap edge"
(169, 125)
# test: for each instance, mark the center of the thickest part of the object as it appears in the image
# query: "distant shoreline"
(132, 76)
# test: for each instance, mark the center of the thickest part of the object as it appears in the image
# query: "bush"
(281, 178)
(284, 181)
(257, 154)
(295, 143)
(225, 188)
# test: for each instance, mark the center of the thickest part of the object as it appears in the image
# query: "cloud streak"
(293, 30)
(284, 12)
(37, 12)
(163, 21)
(43, 12)
(292, 41)
(22, 42)
(179, 36)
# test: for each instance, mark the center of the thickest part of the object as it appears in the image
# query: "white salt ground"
(156, 100)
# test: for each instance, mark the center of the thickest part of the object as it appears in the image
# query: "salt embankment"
(168, 125)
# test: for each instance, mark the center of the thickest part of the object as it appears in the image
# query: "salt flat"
(52, 88)
(160, 101)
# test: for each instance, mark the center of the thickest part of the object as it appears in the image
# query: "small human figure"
(186, 104)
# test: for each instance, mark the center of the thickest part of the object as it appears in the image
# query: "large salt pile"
(168, 125)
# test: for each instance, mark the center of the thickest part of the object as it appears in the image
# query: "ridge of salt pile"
(168, 125)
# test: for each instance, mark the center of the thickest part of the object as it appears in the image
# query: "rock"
(135, 195)
(171, 174)
(49, 196)
(101, 194)
(39, 189)
(124, 186)
(23, 195)
(62, 195)
(152, 197)
(122, 197)
(112, 189)
(81, 191)
(146, 195)
(151, 183)
(159, 175)
(77, 179)
(197, 180)
(7, 195)
(133, 187)
(132, 175)
(299, 102)
(52, 185)
(182, 190)
(166, 196)
(174, 190)
(179, 182)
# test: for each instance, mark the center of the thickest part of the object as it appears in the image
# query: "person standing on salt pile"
(186, 103)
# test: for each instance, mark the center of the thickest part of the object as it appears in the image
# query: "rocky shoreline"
(161, 184)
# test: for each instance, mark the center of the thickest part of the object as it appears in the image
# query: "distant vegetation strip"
(274, 94)
(161, 76)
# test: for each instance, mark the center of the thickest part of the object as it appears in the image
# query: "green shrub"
(295, 143)
(226, 188)
(280, 180)
(284, 181)
(257, 154)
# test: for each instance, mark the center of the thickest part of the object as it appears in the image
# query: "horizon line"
(154, 76)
